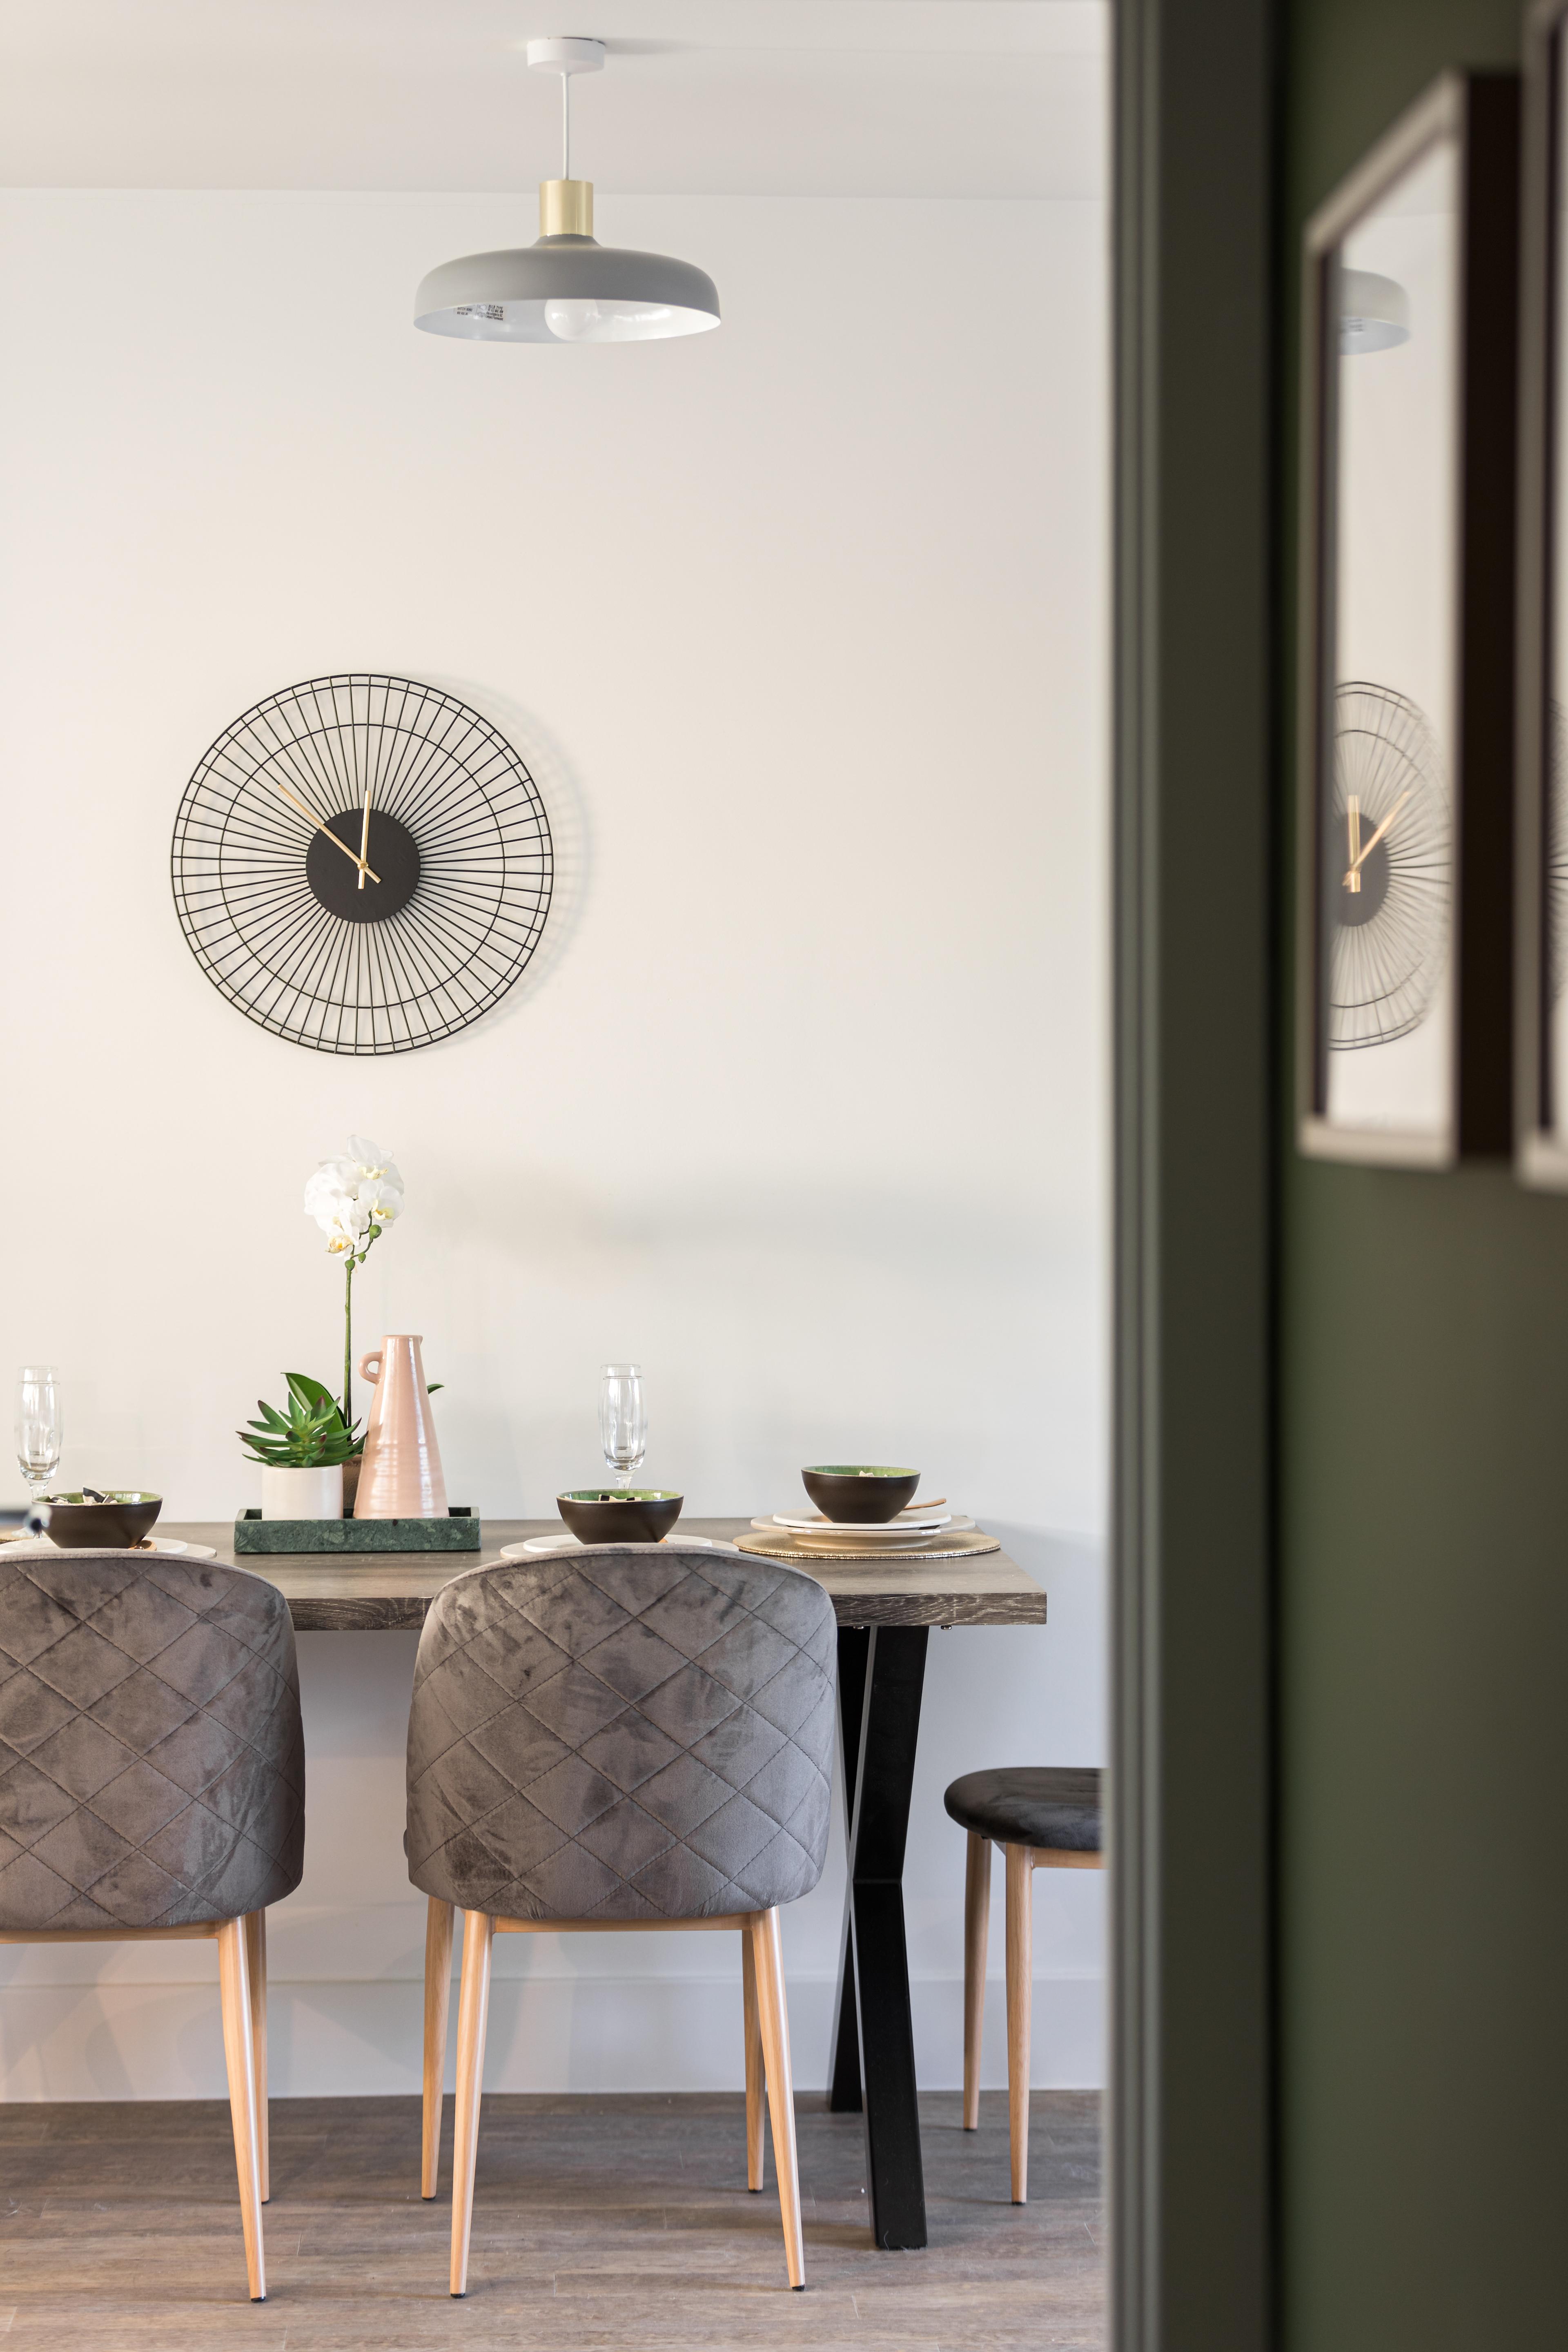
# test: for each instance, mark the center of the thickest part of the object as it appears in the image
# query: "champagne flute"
(40, 1427)
(623, 1421)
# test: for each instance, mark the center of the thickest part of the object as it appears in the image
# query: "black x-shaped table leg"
(881, 1669)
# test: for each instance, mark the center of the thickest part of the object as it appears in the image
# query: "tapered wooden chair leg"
(473, 2011)
(255, 1961)
(976, 1919)
(767, 1955)
(234, 1988)
(438, 1997)
(755, 2115)
(1020, 1962)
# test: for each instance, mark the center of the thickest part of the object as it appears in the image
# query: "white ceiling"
(905, 98)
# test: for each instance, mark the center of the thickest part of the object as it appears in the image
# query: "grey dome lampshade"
(567, 287)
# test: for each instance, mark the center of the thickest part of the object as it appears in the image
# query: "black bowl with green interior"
(620, 1514)
(112, 1522)
(859, 1493)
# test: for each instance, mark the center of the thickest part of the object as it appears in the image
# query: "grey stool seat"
(152, 1781)
(1045, 1805)
(623, 1736)
(1047, 1817)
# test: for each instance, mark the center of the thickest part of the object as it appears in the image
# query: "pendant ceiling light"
(567, 288)
(1375, 312)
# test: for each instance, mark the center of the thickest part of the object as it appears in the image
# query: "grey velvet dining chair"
(152, 1782)
(626, 1736)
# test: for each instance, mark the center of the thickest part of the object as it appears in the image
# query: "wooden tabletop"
(389, 1593)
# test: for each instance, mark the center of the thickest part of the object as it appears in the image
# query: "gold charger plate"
(960, 1547)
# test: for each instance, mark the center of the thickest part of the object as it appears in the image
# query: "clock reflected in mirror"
(362, 865)
(1387, 869)
(1557, 847)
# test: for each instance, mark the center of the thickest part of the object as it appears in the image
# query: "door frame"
(1196, 1023)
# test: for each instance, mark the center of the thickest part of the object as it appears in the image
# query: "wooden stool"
(1046, 1819)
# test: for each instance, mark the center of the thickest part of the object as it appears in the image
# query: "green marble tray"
(459, 1532)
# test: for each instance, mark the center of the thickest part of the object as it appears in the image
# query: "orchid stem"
(348, 1342)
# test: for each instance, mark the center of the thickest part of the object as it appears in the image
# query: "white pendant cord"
(565, 55)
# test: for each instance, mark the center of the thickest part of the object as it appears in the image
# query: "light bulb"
(578, 318)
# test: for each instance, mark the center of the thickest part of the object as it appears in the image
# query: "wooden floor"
(612, 2221)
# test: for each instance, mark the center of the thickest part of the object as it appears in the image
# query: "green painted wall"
(1423, 1620)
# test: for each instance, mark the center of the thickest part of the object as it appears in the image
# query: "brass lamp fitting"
(567, 208)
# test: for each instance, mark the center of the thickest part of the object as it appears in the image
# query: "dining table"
(886, 1607)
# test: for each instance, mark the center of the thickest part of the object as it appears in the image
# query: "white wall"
(803, 628)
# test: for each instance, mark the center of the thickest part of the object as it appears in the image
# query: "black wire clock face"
(1387, 857)
(362, 865)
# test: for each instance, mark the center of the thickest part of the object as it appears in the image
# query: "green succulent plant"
(312, 1434)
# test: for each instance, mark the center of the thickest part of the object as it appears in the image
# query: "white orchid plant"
(353, 1200)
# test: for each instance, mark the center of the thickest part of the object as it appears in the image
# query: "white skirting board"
(161, 2041)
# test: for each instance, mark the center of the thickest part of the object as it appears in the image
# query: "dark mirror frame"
(1480, 112)
(1540, 1150)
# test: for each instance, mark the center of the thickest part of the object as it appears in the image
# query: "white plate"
(927, 1522)
(883, 1536)
(537, 1544)
(171, 1546)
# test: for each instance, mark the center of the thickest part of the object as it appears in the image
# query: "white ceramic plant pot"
(303, 1494)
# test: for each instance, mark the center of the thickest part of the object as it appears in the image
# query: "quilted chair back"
(152, 1762)
(623, 1732)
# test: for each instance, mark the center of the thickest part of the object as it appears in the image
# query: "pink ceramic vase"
(400, 1469)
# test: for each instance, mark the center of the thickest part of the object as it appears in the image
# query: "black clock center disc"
(1352, 907)
(392, 854)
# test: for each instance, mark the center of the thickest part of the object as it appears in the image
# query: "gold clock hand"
(1352, 815)
(364, 835)
(1372, 839)
(294, 802)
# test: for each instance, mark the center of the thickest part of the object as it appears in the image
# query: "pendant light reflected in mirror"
(1374, 312)
(567, 287)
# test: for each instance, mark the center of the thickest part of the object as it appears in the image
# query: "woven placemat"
(961, 1546)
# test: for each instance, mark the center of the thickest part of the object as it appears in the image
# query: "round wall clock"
(1386, 890)
(362, 865)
